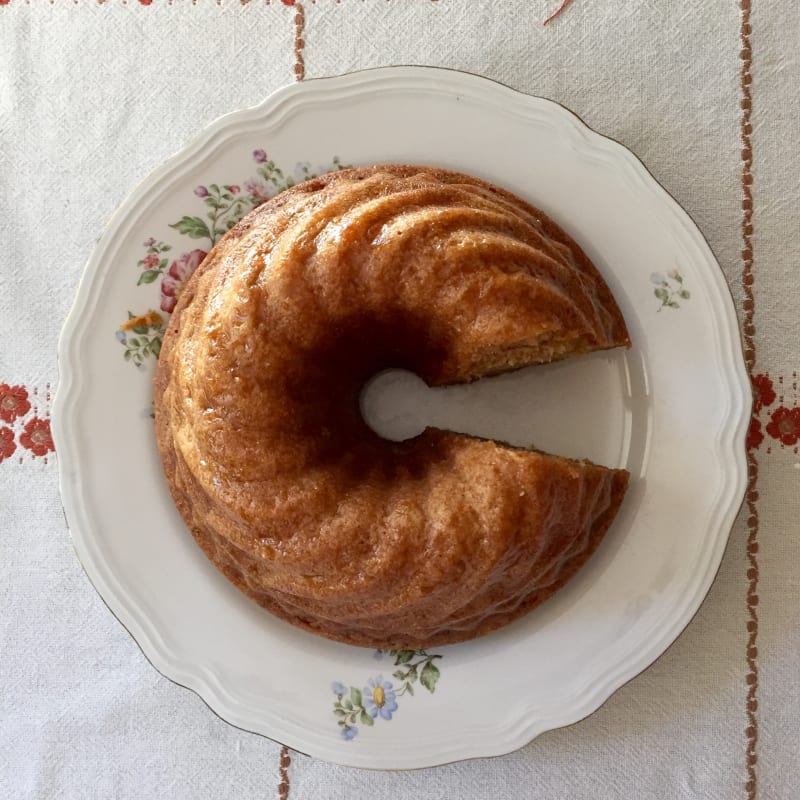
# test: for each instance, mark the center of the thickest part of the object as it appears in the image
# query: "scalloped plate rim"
(505, 737)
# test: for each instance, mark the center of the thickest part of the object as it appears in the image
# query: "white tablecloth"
(93, 95)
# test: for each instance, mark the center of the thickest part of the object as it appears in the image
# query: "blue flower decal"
(349, 733)
(379, 698)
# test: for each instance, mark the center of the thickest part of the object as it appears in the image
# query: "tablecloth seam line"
(284, 763)
(749, 330)
(285, 758)
(299, 42)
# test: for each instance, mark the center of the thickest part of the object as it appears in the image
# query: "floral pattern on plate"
(669, 289)
(378, 699)
(226, 204)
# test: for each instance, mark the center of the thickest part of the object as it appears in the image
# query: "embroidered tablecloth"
(94, 95)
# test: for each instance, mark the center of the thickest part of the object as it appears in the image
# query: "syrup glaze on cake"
(424, 542)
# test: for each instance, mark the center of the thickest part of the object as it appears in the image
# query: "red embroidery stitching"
(26, 413)
(36, 437)
(13, 402)
(7, 444)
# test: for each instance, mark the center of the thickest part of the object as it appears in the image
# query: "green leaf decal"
(148, 276)
(430, 675)
(355, 696)
(192, 226)
(366, 719)
(404, 656)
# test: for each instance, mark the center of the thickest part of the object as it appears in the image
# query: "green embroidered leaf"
(162, 265)
(165, 247)
(673, 304)
(661, 293)
(134, 342)
(366, 719)
(347, 704)
(155, 346)
(140, 329)
(192, 226)
(339, 712)
(148, 276)
(685, 294)
(430, 674)
(128, 355)
(410, 689)
(400, 675)
(404, 656)
(355, 696)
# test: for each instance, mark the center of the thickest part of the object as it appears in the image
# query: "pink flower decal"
(150, 261)
(178, 273)
(259, 156)
(257, 189)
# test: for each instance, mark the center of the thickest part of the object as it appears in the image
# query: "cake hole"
(591, 407)
(395, 403)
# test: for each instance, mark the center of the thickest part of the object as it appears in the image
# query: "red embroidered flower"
(13, 402)
(36, 437)
(785, 425)
(763, 393)
(150, 261)
(754, 434)
(7, 445)
(177, 275)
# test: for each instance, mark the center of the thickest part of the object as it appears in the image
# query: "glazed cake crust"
(291, 495)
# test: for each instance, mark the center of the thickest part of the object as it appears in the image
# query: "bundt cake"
(409, 544)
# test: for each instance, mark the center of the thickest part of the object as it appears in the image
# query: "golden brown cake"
(429, 541)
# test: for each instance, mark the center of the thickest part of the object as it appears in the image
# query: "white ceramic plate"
(673, 410)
